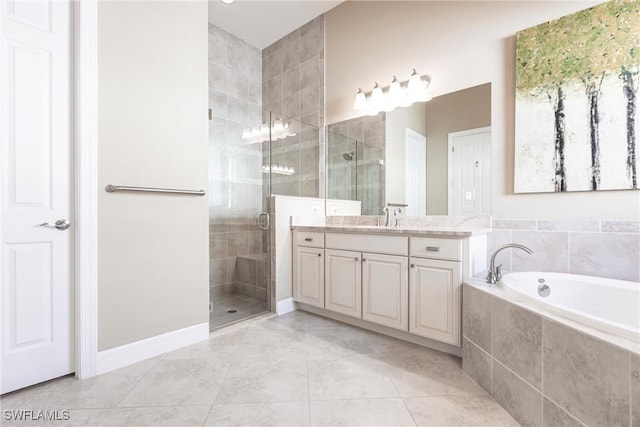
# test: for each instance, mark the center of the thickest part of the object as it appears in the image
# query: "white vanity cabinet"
(308, 269)
(366, 277)
(435, 279)
(385, 290)
(405, 285)
(343, 282)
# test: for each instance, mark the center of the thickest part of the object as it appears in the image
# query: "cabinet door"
(308, 286)
(434, 292)
(385, 289)
(343, 286)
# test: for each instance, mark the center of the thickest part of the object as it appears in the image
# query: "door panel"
(35, 151)
(470, 172)
(343, 282)
(434, 292)
(308, 287)
(385, 290)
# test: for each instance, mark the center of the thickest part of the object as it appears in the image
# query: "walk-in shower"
(249, 162)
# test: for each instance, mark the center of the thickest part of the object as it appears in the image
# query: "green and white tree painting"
(577, 118)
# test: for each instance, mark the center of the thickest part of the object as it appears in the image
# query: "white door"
(308, 276)
(343, 282)
(470, 172)
(37, 292)
(434, 292)
(415, 173)
(385, 290)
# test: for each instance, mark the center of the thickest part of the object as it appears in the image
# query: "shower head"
(348, 156)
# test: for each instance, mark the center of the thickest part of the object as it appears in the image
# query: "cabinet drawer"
(393, 245)
(436, 248)
(310, 239)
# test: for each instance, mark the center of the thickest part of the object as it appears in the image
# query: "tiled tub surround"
(293, 85)
(235, 177)
(592, 248)
(542, 370)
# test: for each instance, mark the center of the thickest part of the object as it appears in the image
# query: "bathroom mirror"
(434, 156)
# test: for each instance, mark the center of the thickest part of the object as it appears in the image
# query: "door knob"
(61, 224)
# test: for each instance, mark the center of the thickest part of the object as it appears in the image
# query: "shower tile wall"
(235, 168)
(369, 132)
(293, 85)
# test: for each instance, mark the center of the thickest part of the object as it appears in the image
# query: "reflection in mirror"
(355, 162)
(433, 156)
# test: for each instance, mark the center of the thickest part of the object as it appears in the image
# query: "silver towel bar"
(114, 188)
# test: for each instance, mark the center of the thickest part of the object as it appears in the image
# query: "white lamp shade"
(377, 97)
(415, 86)
(360, 102)
(396, 94)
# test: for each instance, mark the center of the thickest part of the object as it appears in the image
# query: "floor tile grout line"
(204, 423)
(142, 377)
(388, 374)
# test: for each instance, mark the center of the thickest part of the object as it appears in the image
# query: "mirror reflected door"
(415, 173)
(470, 172)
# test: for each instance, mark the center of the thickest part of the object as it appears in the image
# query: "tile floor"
(294, 370)
(243, 305)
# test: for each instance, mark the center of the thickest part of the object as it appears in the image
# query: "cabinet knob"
(308, 239)
(364, 260)
(319, 254)
(413, 266)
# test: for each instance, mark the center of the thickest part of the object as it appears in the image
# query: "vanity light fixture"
(228, 1)
(397, 95)
(279, 169)
(280, 129)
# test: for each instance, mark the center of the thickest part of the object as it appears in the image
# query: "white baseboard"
(285, 306)
(138, 351)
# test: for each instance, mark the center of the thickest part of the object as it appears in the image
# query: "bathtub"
(609, 305)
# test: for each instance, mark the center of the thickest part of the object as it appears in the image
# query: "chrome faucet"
(387, 216)
(396, 211)
(495, 273)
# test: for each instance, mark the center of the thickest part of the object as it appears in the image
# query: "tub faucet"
(495, 273)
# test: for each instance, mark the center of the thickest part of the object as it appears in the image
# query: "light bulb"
(377, 97)
(278, 126)
(264, 129)
(395, 91)
(416, 86)
(360, 102)
(246, 133)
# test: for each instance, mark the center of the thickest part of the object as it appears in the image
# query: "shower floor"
(243, 305)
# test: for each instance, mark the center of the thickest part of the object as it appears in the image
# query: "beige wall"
(153, 249)
(459, 45)
(454, 112)
(397, 121)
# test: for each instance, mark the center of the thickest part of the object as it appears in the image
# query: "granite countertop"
(402, 230)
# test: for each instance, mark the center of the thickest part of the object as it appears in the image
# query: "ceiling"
(262, 22)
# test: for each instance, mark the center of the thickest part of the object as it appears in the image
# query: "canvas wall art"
(577, 117)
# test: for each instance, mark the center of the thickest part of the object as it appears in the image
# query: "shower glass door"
(239, 275)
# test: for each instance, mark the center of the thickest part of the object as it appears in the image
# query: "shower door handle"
(263, 221)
